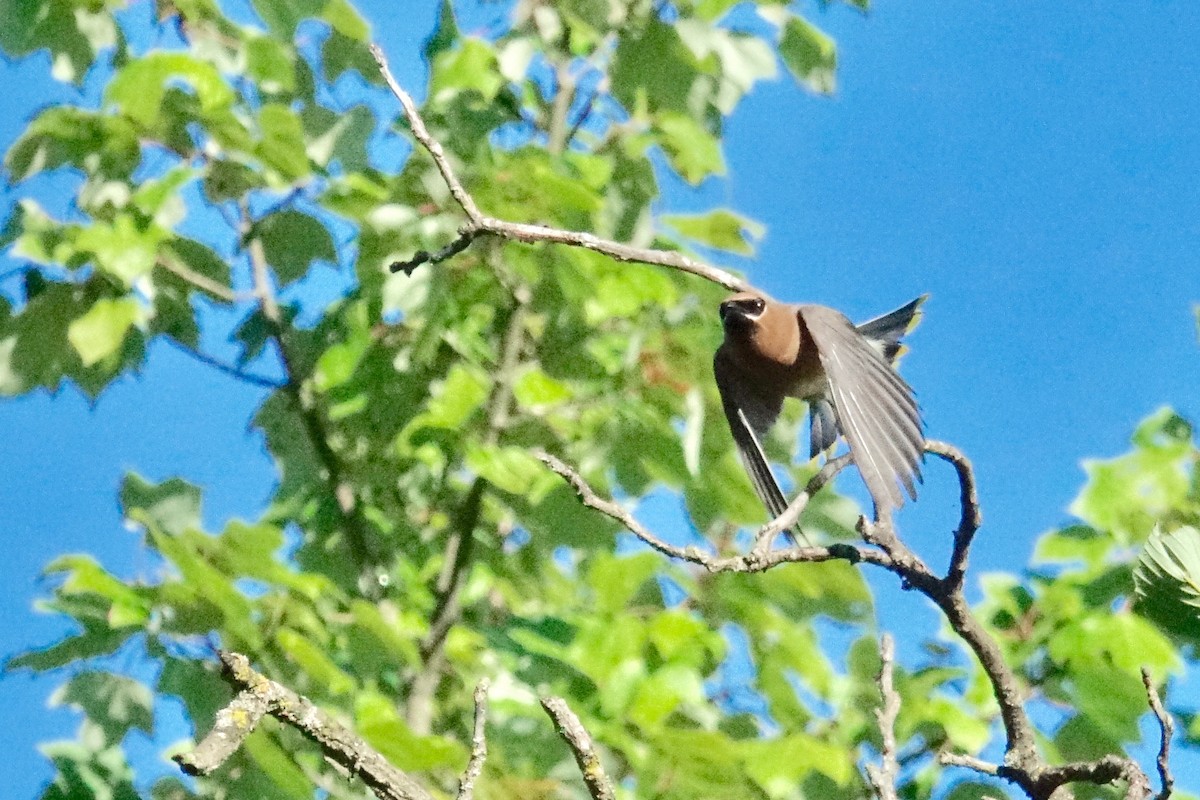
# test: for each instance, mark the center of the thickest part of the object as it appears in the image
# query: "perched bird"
(844, 372)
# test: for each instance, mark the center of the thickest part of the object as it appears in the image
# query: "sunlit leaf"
(99, 333)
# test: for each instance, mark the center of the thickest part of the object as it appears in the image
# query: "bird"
(845, 372)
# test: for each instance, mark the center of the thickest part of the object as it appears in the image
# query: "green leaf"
(1129, 495)
(721, 229)
(445, 35)
(100, 332)
(173, 505)
(653, 68)
(1167, 580)
(615, 580)
(810, 55)
(125, 248)
(376, 719)
(777, 765)
(1112, 701)
(314, 661)
(199, 258)
(126, 606)
(693, 152)
(282, 18)
(115, 703)
(282, 144)
(96, 143)
(511, 469)
(470, 67)
(138, 87)
(344, 19)
(272, 64)
(343, 137)
(95, 640)
(292, 240)
(73, 33)
(535, 390)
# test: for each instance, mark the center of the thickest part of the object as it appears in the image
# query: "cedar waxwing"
(844, 372)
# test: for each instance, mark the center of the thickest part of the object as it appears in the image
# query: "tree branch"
(1166, 727)
(883, 778)
(466, 784)
(362, 544)
(431, 145)
(971, 517)
(1023, 763)
(478, 223)
(258, 696)
(577, 738)
(751, 562)
(228, 369)
(201, 282)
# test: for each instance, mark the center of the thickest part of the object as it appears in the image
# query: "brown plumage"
(844, 372)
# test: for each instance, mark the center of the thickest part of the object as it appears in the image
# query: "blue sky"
(1032, 167)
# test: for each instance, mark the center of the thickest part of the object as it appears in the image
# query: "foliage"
(413, 544)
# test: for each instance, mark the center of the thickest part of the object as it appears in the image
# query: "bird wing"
(750, 414)
(875, 408)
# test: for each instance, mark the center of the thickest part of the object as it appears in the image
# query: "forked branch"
(258, 696)
(479, 224)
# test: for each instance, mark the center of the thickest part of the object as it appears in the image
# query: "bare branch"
(478, 223)
(883, 778)
(199, 281)
(969, 762)
(971, 517)
(466, 784)
(577, 738)
(1166, 727)
(258, 696)
(751, 562)
(228, 369)
(421, 133)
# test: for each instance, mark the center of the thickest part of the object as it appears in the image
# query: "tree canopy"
(416, 541)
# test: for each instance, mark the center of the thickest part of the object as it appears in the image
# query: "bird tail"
(887, 330)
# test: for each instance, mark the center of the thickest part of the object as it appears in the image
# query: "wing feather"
(875, 408)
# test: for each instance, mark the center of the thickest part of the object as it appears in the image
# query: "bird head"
(741, 311)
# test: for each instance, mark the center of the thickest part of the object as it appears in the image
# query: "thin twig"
(431, 145)
(577, 738)
(751, 562)
(228, 369)
(201, 282)
(1166, 727)
(258, 696)
(883, 778)
(970, 762)
(466, 784)
(478, 223)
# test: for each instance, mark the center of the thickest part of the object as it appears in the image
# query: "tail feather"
(822, 426)
(888, 329)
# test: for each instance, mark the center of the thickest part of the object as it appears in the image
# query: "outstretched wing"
(875, 408)
(750, 414)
